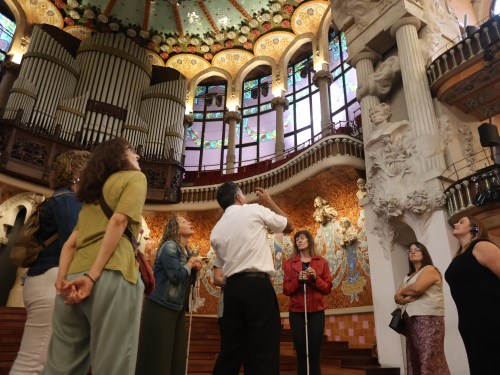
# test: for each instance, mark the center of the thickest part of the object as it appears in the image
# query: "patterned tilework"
(357, 329)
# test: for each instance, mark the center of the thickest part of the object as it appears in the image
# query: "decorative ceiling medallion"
(42, 11)
(232, 60)
(273, 44)
(80, 32)
(189, 65)
(154, 58)
(307, 17)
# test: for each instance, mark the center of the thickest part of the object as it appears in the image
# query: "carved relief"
(348, 12)
(382, 127)
(381, 81)
(466, 143)
(29, 151)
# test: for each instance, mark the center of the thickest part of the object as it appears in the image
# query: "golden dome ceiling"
(168, 28)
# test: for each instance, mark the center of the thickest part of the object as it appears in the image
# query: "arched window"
(343, 103)
(7, 29)
(206, 145)
(206, 140)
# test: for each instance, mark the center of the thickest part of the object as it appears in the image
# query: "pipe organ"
(85, 92)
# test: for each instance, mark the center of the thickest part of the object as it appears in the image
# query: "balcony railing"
(469, 185)
(473, 45)
(329, 149)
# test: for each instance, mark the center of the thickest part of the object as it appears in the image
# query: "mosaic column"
(363, 62)
(231, 118)
(416, 87)
(10, 72)
(323, 79)
(280, 105)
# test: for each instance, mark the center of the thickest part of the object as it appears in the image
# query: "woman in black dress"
(474, 279)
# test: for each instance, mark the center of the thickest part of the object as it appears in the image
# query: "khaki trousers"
(39, 295)
(102, 331)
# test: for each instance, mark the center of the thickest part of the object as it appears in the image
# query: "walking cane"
(307, 335)
(191, 299)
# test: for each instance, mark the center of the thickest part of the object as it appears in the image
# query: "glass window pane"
(211, 159)
(289, 142)
(192, 160)
(213, 135)
(316, 113)
(193, 136)
(337, 95)
(354, 111)
(267, 148)
(249, 129)
(248, 86)
(351, 82)
(303, 136)
(335, 54)
(288, 119)
(339, 117)
(304, 109)
(249, 155)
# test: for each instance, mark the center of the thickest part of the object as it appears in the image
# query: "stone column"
(363, 62)
(188, 121)
(280, 105)
(231, 118)
(416, 88)
(323, 79)
(10, 71)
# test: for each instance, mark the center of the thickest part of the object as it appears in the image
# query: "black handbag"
(397, 323)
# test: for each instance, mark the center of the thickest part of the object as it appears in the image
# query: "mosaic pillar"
(231, 118)
(280, 105)
(323, 79)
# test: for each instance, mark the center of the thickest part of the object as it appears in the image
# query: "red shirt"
(315, 290)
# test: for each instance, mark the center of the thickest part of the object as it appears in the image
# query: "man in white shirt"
(251, 324)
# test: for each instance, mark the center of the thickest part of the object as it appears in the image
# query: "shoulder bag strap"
(109, 212)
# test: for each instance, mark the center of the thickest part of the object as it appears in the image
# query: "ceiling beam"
(147, 11)
(207, 14)
(109, 7)
(178, 20)
(240, 9)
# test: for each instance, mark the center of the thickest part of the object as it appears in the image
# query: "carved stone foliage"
(467, 144)
(30, 151)
(395, 187)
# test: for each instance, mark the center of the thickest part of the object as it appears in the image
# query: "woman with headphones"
(474, 279)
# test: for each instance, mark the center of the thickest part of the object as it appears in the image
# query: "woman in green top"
(98, 307)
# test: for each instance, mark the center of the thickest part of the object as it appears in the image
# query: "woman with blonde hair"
(162, 345)
(58, 217)
(474, 279)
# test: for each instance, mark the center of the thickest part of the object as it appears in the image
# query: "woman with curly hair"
(57, 219)
(98, 307)
(162, 346)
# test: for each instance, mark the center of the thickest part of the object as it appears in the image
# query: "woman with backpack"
(56, 222)
(99, 288)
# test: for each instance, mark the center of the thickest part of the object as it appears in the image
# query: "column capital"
(232, 115)
(363, 55)
(405, 21)
(279, 102)
(188, 120)
(322, 74)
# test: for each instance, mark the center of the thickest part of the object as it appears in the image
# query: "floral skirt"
(425, 345)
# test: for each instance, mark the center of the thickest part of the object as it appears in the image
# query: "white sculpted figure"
(382, 128)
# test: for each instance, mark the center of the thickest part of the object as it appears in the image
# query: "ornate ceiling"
(197, 28)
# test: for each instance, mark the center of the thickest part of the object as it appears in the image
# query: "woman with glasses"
(474, 279)
(422, 295)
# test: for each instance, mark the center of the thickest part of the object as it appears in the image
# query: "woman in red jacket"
(308, 268)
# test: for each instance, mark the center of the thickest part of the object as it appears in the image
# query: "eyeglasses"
(414, 250)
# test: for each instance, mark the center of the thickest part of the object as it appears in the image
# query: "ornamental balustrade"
(471, 185)
(485, 39)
